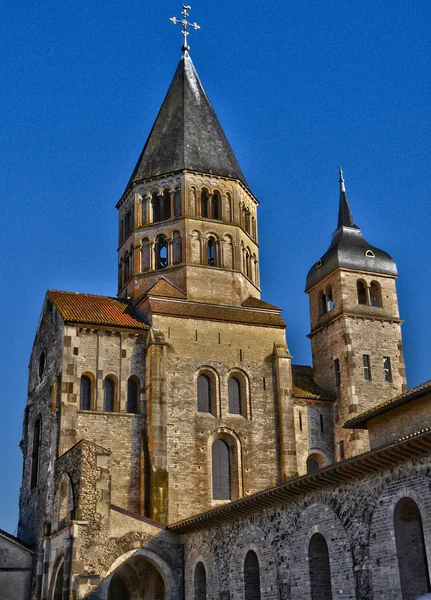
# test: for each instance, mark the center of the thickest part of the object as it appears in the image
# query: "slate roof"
(348, 250)
(187, 134)
(304, 385)
(15, 540)
(360, 421)
(96, 310)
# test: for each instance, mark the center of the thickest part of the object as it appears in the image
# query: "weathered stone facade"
(155, 419)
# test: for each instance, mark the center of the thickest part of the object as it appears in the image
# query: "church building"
(171, 449)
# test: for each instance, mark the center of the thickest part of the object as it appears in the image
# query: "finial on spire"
(342, 186)
(185, 25)
(345, 218)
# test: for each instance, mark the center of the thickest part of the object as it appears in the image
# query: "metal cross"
(185, 25)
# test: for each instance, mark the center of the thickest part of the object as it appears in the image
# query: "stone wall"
(356, 519)
(16, 563)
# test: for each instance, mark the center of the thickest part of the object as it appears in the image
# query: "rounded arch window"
(109, 394)
(166, 205)
(161, 252)
(85, 393)
(236, 396)
(221, 470)
(251, 576)
(200, 582)
(205, 203)
(204, 394)
(132, 395)
(155, 203)
(362, 292)
(313, 464)
(211, 252)
(376, 294)
(319, 568)
(216, 206)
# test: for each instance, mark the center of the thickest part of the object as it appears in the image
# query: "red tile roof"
(96, 310)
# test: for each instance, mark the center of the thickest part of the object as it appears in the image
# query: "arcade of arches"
(137, 579)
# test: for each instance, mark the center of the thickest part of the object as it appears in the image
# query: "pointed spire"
(187, 134)
(345, 218)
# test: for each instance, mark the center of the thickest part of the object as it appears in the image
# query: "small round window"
(42, 363)
(319, 264)
(370, 254)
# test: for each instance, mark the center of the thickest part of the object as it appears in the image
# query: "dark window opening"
(85, 403)
(204, 394)
(109, 395)
(165, 212)
(205, 204)
(337, 371)
(367, 367)
(155, 201)
(411, 550)
(35, 455)
(387, 368)
(59, 582)
(247, 218)
(118, 590)
(42, 363)
(221, 471)
(322, 304)
(216, 206)
(319, 567)
(362, 292)
(251, 577)
(322, 429)
(312, 464)
(132, 396)
(342, 452)
(329, 300)
(300, 421)
(234, 394)
(200, 582)
(161, 248)
(375, 294)
(211, 252)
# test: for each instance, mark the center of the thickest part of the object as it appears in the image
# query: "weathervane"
(185, 25)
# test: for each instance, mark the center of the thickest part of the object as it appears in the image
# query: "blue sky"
(299, 88)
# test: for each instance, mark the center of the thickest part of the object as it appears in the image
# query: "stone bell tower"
(187, 213)
(355, 326)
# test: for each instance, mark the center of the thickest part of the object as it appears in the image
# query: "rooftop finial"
(185, 25)
(342, 186)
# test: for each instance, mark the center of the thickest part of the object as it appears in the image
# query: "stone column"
(172, 195)
(286, 432)
(156, 410)
(151, 251)
(169, 252)
(149, 209)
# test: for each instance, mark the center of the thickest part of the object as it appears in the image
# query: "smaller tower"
(355, 326)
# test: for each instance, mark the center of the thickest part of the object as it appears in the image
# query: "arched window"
(66, 499)
(375, 294)
(216, 206)
(128, 222)
(161, 252)
(35, 455)
(312, 464)
(411, 552)
(329, 300)
(362, 292)
(248, 269)
(229, 212)
(205, 199)
(320, 571)
(166, 206)
(221, 471)
(145, 255)
(85, 396)
(212, 252)
(132, 395)
(118, 589)
(59, 582)
(131, 261)
(177, 253)
(251, 576)
(126, 267)
(200, 582)
(234, 396)
(247, 220)
(155, 202)
(253, 230)
(159, 588)
(204, 394)
(109, 395)
(42, 363)
(322, 303)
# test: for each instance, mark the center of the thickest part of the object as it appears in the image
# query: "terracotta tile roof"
(360, 421)
(213, 312)
(96, 310)
(252, 302)
(304, 385)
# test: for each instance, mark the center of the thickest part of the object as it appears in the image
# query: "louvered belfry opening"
(221, 471)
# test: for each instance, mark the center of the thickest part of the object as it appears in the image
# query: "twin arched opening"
(369, 295)
(110, 394)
